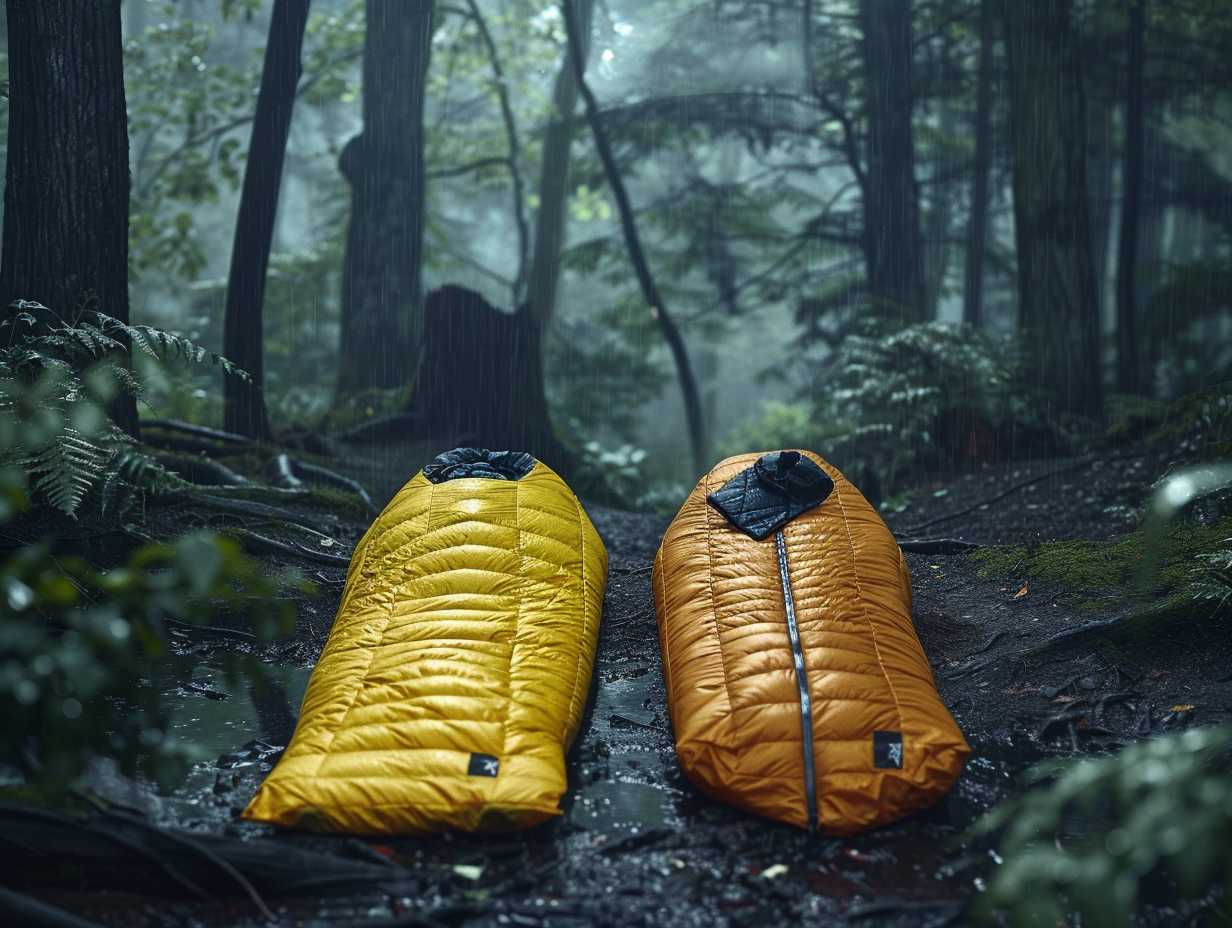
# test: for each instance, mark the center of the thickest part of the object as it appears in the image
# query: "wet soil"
(1025, 675)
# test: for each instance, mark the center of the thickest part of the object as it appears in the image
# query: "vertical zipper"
(797, 658)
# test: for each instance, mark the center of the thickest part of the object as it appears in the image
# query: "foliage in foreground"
(75, 640)
(56, 376)
(1159, 810)
(1096, 836)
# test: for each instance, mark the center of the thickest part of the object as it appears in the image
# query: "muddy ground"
(1026, 674)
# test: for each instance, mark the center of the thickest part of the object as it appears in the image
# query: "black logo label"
(887, 749)
(483, 765)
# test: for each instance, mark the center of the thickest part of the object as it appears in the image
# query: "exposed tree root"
(197, 431)
(311, 472)
(201, 470)
(16, 909)
(246, 507)
(293, 474)
(283, 474)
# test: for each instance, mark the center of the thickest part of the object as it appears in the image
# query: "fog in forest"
(265, 261)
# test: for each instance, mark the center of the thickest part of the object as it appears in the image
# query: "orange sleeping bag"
(797, 687)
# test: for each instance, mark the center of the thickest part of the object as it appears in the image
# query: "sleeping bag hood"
(457, 670)
(797, 687)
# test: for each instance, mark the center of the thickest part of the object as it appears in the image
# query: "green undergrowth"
(1160, 565)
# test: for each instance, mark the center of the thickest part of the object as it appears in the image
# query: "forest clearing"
(325, 322)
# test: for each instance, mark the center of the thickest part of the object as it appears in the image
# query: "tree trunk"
(1129, 375)
(977, 230)
(481, 381)
(66, 190)
(243, 335)
(382, 315)
(1058, 312)
(637, 255)
(1101, 165)
(892, 247)
(550, 219)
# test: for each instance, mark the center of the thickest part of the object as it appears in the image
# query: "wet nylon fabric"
(466, 633)
(732, 690)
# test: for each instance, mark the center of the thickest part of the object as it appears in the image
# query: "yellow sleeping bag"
(455, 676)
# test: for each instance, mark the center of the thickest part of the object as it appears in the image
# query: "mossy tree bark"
(243, 337)
(67, 185)
(1058, 307)
(382, 316)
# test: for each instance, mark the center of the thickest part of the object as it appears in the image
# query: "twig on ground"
(206, 691)
(260, 543)
(937, 546)
(209, 630)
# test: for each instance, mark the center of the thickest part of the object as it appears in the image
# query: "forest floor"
(1033, 662)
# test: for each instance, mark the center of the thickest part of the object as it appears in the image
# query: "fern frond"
(168, 346)
(64, 472)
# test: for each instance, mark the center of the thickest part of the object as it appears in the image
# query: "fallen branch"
(189, 445)
(198, 431)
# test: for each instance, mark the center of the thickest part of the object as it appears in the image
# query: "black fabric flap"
(479, 462)
(778, 487)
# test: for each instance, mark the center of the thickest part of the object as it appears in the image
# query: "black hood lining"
(461, 463)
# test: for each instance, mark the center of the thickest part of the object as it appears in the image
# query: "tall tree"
(550, 218)
(382, 313)
(245, 410)
(66, 189)
(977, 229)
(1058, 311)
(892, 245)
(1129, 374)
(637, 255)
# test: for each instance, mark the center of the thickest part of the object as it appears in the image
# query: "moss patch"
(1155, 561)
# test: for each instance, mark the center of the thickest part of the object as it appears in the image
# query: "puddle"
(237, 727)
(617, 806)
